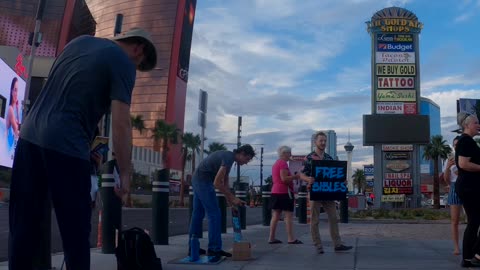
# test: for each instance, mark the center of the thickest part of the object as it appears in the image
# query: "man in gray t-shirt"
(52, 157)
(211, 174)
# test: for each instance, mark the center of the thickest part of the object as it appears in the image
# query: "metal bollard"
(241, 193)
(112, 209)
(160, 209)
(266, 211)
(190, 208)
(302, 205)
(344, 210)
(222, 203)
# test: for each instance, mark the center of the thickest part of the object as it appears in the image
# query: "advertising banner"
(469, 106)
(395, 82)
(397, 190)
(396, 95)
(368, 170)
(397, 155)
(396, 70)
(330, 177)
(397, 165)
(12, 92)
(395, 47)
(396, 108)
(393, 198)
(397, 38)
(395, 57)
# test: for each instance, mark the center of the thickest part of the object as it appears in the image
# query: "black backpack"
(135, 251)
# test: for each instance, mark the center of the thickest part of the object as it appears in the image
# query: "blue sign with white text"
(330, 180)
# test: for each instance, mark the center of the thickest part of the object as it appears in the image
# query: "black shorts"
(281, 202)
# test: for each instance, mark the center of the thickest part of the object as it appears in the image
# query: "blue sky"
(292, 67)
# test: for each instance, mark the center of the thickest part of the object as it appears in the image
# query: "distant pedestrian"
(450, 176)
(330, 207)
(467, 160)
(282, 196)
(212, 173)
(52, 157)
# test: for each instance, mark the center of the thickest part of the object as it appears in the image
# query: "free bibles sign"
(330, 177)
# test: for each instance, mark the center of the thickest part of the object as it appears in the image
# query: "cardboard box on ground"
(242, 251)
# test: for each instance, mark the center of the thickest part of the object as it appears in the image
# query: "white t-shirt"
(453, 173)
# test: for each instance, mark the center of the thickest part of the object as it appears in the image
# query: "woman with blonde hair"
(455, 203)
(282, 196)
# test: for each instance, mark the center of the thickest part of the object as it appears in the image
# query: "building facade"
(161, 93)
(158, 95)
(430, 108)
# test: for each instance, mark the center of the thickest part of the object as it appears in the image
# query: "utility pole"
(107, 119)
(238, 146)
(202, 119)
(36, 40)
(261, 168)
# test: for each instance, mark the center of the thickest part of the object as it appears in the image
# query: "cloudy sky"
(292, 67)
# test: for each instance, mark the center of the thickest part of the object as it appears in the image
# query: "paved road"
(179, 219)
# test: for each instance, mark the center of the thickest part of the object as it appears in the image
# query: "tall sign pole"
(238, 146)
(36, 39)
(202, 119)
(107, 122)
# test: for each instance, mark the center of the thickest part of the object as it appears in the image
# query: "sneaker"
(475, 262)
(343, 248)
(320, 250)
(200, 252)
(466, 264)
(219, 253)
(214, 259)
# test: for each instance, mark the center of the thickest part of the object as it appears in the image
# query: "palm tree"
(359, 180)
(215, 146)
(437, 148)
(138, 123)
(165, 133)
(189, 142)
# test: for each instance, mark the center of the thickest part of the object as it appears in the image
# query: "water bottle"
(194, 248)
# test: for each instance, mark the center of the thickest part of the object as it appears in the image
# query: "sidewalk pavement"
(376, 246)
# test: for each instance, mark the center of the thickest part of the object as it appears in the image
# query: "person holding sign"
(329, 206)
(282, 196)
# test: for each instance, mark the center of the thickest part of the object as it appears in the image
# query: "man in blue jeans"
(211, 174)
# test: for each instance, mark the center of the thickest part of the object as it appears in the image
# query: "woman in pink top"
(282, 196)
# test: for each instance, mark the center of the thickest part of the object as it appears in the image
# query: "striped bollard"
(160, 209)
(242, 195)
(302, 205)
(266, 212)
(190, 208)
(222, 203)
(112, 209)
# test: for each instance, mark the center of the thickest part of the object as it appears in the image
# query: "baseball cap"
(150, 60)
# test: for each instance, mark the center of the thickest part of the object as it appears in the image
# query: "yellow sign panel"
(396, 95)
(397, 25)
(390, 69)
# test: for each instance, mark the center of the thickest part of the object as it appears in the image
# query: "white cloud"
(285, 68)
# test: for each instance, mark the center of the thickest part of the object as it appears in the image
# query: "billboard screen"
(12, 92)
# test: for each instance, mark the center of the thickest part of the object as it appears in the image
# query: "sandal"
(276, 241)
(296, 242)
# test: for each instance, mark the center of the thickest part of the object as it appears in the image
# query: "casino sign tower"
(395, 128)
